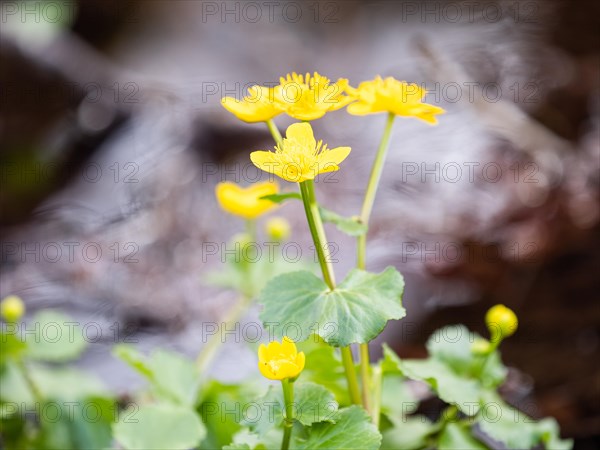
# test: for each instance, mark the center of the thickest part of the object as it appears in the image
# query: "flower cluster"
(309, 97)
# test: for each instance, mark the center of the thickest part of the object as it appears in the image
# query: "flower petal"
(288, 348)
(265, 370)
(302, 133)
(330, 159)
(263, 353)
(267, 161)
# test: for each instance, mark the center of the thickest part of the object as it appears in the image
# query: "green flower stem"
(377, 387)
(311, 207)
(274, 131)
(374, 178)
(31, 384)
(365, 215)
(288, 423)
(365, 376)
(348, 362)
(208, 352)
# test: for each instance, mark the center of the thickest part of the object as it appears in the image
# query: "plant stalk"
(317, 231)
(361, 258)
(274, 131)
(288, 423)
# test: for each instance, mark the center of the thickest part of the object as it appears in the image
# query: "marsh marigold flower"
(258, 106)
(246, 202)
(501, 322)
(278, 361)
(310, 97)
(299, 157)
(391, 95)
(12, 308)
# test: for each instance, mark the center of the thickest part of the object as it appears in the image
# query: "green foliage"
(514, 429)
(410, 433)
(453, 371)
(349, 225)
(250, 268)
(312, 404)
(159, 426)
(324, 367)
(57, 338)
(280, 198)
(172, 377)
(71, 408)
(355, 312)
(353, 429)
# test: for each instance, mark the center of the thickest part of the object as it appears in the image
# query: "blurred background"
(112, 140)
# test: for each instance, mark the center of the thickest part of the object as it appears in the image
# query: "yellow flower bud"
(278, 228)
(278, 361)
(12, 308)
(501, 322)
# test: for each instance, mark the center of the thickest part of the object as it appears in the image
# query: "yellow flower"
(12, 308)
(311, 97)
(299, 157)
(259, 106)
(279, 361)
(278, 228)
(391, 95)
(246, 202)
(501, 322)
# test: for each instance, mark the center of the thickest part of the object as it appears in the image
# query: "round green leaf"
(352, 429)
(298, 304)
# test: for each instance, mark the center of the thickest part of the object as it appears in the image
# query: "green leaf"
(352, 430)
(411, 433)
(63, 384)
(452, 388)
(551, 435)
(355, 312)
(91, 427)
(173, 377)
(221, 410)
(323, 366)
(237, 447)
(312, 403)
(397, 399)
(159, 426)
(456, 436)
(456, 374)
(247, 440)
(280, 198)
(349, 225)
(451, 345)
(514, 429)
(57, 337)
